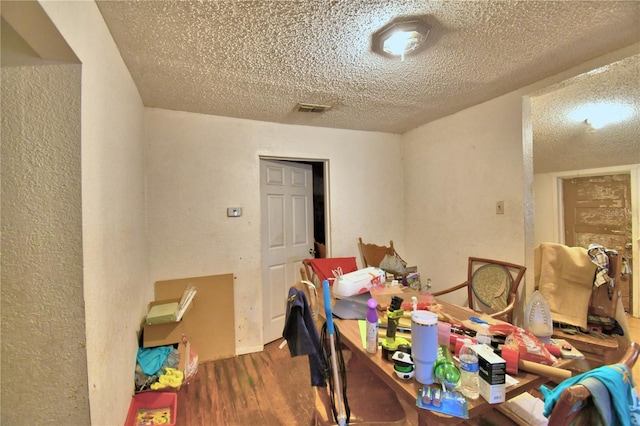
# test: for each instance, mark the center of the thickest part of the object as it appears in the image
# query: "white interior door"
(287, 235)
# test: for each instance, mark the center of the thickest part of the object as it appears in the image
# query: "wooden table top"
(408, 389)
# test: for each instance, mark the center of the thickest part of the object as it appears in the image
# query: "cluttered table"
(408, 390)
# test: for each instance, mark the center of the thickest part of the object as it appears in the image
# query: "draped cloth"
(564, 275)
(302, 335)
(616, 379)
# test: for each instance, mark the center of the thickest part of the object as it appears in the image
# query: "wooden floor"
(263, 388)
(272, 388)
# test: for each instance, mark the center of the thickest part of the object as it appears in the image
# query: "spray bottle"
(372, 326)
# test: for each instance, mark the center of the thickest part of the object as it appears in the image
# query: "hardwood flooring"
(272, 388)
(263, 388)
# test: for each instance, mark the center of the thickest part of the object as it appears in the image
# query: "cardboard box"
(493, 394)
(162, 334)
(162, 314)
(209, 323)
(492, 371)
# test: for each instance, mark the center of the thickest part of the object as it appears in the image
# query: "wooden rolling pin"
(554, 373)
(512, 357)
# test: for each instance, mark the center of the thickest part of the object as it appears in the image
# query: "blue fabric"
(151, 359)
(601, 400)
(302, 335)
(616, 378)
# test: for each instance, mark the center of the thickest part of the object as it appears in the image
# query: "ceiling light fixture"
(598, 115)
(400, 38)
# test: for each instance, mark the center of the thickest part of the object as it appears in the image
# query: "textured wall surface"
(44, 366)
(116, 283)
(199, 165)
(456, 169)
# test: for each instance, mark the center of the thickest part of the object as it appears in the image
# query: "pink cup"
(444, 333)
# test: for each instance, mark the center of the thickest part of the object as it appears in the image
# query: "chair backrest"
(321, 249)
(373, 254)
(575, 405)
(492, 286)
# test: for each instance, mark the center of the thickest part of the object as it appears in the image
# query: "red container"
(153, 408)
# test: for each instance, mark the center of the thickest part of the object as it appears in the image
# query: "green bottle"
(444, 369)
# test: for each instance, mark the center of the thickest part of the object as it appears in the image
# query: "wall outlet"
(499, 207)
(234, 211)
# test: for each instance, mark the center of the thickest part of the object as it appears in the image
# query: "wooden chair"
(492, 287)
(373, 254)
(575, 403)
(321, 249)
(371, 401)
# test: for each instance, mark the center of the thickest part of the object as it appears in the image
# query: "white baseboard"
(249, 350)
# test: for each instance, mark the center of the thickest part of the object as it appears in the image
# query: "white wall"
(44, 365)
(455, 169)
(116, 284)
(199, 165)
(546, 206)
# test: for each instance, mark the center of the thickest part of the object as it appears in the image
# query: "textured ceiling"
(258, 59)
(563, 142)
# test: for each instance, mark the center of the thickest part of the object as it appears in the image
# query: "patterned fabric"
(598, 255)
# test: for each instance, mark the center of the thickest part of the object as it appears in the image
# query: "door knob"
(312, 251)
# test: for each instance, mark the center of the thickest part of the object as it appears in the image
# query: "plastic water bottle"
(484, 336)
(469, 380)
(372, 326)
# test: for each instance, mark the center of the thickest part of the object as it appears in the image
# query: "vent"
(312, 108)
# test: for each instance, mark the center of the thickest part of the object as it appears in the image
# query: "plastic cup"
(424, 344)
(444, 333)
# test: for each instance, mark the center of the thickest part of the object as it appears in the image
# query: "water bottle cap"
(372, 303)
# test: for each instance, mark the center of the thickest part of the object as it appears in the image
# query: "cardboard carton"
(492, 371)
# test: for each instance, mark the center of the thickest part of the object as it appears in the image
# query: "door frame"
(326, 210)
(633, 170)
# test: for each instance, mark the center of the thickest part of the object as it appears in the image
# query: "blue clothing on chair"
(302, 335)
(617, 380)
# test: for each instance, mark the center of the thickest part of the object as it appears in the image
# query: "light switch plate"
(234, 211)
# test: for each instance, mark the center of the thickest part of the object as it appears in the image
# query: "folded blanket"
(564, 275)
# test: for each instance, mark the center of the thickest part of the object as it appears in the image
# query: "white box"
(494, 394)
(358, 282)
(492, 372)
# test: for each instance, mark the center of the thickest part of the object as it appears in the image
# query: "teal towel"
(616, 378)
(151, 359)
